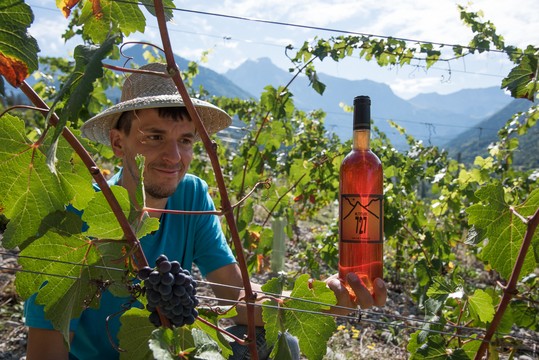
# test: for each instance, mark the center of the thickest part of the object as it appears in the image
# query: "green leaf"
(134, 335)
(30, 191)
(140, 193)
(79, 85)
(312, 329)
(102, 221)
(167, 4)
(18, 50)
(68, 273)
(480, 306)
(442, 288)
(282, 351)
(503, 229)
(433, 349)
(114, 16)
(206, 347)
(213, 317)
(164, 345)
(522, 81)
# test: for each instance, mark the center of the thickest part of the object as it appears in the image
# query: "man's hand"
(363, 297)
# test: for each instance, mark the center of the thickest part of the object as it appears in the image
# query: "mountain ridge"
(432, 117)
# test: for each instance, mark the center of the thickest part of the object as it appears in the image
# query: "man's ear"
(116, 142)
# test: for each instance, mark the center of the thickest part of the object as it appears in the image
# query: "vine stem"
(511, 289)
(173, 70)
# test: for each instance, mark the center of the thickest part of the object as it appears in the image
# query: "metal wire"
(357, 318)
(62, 262)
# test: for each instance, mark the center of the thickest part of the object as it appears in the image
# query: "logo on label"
(361, 218)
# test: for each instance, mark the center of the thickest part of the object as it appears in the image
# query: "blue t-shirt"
(188, 239)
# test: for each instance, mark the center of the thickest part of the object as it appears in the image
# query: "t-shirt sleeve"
(211, 249)
(34, 316)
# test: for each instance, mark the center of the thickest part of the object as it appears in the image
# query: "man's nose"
(172, 152)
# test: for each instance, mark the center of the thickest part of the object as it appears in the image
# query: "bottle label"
(361, 218)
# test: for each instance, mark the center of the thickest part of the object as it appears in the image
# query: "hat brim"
(98, 128)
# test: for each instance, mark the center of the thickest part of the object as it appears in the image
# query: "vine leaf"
(18, 50)
(102, 221)
(168, 5)
(481, 307)
(68, 272)
(79, 86)
(214, 334)
(111, 17)
(503, 229)
(312, 330)
(522, 81)
(31, 191)
(433, 348)
(135, 332)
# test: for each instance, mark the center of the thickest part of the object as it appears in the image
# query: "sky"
(231, 41)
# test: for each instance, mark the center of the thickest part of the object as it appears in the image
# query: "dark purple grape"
(154, 319)
(178, 290)
(189, 320)
(164, 267)
(165, 289)
(175, 267)
(179, 279)
(173, 290)
(144, 273)
(161, 258)
(167, 278)
(154, 277)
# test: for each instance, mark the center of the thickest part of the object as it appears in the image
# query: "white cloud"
(232, 41)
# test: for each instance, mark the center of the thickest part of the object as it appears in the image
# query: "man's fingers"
(363, 296)
(380, 292)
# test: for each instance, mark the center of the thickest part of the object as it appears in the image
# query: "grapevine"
(172, 289)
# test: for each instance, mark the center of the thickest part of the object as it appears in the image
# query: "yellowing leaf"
(18, 50)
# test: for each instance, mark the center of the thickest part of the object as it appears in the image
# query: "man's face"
(167, 146)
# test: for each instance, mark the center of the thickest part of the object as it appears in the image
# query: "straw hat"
(145, 91)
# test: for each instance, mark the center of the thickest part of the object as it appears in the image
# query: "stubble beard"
(152, 190)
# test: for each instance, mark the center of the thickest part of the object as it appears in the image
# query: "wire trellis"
(355, 315)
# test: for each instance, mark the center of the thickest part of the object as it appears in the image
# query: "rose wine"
(361, 207)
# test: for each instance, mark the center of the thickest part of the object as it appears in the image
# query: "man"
(151, 119)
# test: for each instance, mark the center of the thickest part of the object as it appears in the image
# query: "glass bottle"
(361, 204)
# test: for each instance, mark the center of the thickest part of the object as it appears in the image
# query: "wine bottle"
(361, 207)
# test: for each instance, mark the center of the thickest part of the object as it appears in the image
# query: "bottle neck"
(361, 139)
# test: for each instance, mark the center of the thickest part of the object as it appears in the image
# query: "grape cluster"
(172, 289)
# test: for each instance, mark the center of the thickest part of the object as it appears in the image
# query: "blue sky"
(232, 41)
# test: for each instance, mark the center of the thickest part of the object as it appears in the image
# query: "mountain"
(472, 143)
(433, 118)
(479, 108)
(212, 81)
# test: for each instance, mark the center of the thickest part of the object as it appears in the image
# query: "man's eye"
(151, 139)
(186, 141)
(154, 137)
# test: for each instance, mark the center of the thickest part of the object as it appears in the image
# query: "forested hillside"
(466, 146)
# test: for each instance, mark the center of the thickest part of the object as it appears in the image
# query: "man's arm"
(230, 275)
(45, 344)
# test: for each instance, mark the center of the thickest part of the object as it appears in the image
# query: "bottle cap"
(362, 112)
